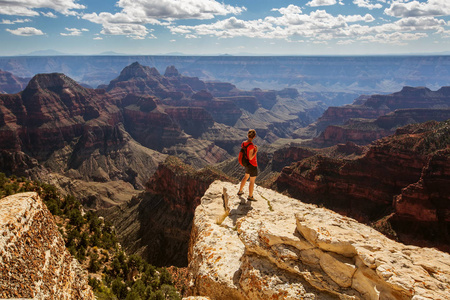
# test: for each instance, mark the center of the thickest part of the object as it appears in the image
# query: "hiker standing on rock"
(247, 158)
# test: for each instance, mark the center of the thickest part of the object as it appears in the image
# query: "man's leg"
(243, 181)
(251, 186)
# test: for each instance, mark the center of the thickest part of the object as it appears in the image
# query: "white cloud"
(98, 38)
(175, 9)
(317, 27)
(400, 8)
(420, 24)
(157, 12)
(151, 11)
(398, 38)
(290, 10)
(49, 14)
(25, 31)
(73, 31)
(134, 31)
(29, 7)
(367, 4)
(357, 18)
(314, 3)
(16, 21)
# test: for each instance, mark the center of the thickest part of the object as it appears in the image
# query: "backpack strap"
(246, 147)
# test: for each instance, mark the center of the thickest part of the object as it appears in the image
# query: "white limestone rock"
(281, 248)
(34, 261)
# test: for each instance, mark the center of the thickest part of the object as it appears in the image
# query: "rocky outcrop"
(193, 120)
(281, 248)
(288, 155)
(156, 224)
(338, 116)
(34, 262)
(365, 186)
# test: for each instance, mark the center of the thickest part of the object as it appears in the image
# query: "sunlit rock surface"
(281, 248)
(34, 261)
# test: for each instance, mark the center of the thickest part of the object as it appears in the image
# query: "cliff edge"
(34, 262)
(281, 248)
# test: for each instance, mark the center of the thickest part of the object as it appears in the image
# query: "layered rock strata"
(366, 186)
(365, 131)
(281, 248)
(415, 104)
(34, 262)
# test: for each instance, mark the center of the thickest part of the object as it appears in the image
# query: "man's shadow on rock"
(243, 208)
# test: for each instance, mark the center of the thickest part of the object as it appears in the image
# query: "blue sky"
(209, 27)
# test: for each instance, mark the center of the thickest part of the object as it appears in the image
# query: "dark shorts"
(252, 170)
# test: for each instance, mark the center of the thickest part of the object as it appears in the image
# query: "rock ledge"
(281, 248)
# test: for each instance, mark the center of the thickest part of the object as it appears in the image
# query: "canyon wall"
(156, 224)
(401, 177)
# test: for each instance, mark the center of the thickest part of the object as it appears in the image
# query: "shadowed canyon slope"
(157, 223)
(281, 248)
(400, 181)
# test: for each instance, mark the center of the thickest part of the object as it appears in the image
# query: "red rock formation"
(50, 113)
(377, 106)
(193, 120)
(154, 129)
(364, 131)
(422, 210)
(359, 132)
(286, 156)
(364, 187)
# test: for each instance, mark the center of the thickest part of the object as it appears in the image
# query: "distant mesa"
(136, 70)
(171, 71)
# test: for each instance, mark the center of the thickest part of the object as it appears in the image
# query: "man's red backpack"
(243, 158)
